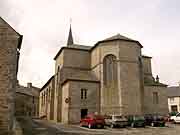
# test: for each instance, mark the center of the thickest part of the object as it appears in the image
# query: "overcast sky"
(45, 25)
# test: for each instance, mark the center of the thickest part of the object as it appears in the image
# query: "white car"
(116, 120)
(176, 118)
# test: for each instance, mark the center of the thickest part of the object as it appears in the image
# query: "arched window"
(109, 70)
(58, 75)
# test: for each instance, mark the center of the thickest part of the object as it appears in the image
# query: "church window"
(33, 100)
(57, 79)
(109, 69)
(43, 98)
(58, 75)
(155, 98)
(49, 93)
(83, 93)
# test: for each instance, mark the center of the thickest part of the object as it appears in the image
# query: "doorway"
(174, 108)
(84, 112)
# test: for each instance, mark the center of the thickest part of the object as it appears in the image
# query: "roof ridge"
(118, 36)
(10, 26)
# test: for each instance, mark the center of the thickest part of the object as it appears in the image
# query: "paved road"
(40, 127)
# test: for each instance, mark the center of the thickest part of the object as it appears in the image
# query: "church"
(110, 77)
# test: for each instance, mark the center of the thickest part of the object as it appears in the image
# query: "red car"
(93, 121)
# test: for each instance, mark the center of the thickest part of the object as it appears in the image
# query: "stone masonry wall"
(161, 107)
(8, 77)
(71, 112)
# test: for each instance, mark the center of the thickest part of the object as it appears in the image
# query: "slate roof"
(70, 38)
(9, 26)
(82, 76)
(34, 91)
(173, 91)
(90, 48)
(77, 46)
(52, 77)
(118, 36)
(145, 56)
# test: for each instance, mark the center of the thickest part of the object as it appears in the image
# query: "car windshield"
(118, 117)
(97, 117)
(158, 117)
(108, 117)
(139, 118)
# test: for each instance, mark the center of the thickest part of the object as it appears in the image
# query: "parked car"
(116, 121)
(176, 118)
(93, 121)
(136, 121)
(154, 120)
(167, 118)
(173, 115)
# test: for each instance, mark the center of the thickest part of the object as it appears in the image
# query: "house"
(173, 98)
(10, 45)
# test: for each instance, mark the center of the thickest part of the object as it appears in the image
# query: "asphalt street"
(42, 127)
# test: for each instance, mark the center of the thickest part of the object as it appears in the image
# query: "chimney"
(29, 85)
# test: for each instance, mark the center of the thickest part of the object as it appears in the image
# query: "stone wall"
(147, 69)
(129, 76)
(161, 107)
(27, 101)
(9, 45)
(71, 112)
(46, 100)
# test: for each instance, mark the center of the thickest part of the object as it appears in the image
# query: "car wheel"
(89, 126)
(163, 125)
(102, 126)
(132, 125)
(112, 126)
(81, 125)
(152, 124)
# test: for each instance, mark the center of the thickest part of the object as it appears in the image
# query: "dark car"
(154, 120)
(93, 121)
(136, 121)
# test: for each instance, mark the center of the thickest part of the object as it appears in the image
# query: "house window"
(83, 93)
(171, 99)
(155, 98)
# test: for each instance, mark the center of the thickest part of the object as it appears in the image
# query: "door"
(174, 108)
(84, 112)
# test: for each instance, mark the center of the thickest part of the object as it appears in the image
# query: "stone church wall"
(129, 83)
(46, 101)
(76, 59)
(72, 90)
(161, 107)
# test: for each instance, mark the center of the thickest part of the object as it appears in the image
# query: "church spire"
(70, 37)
